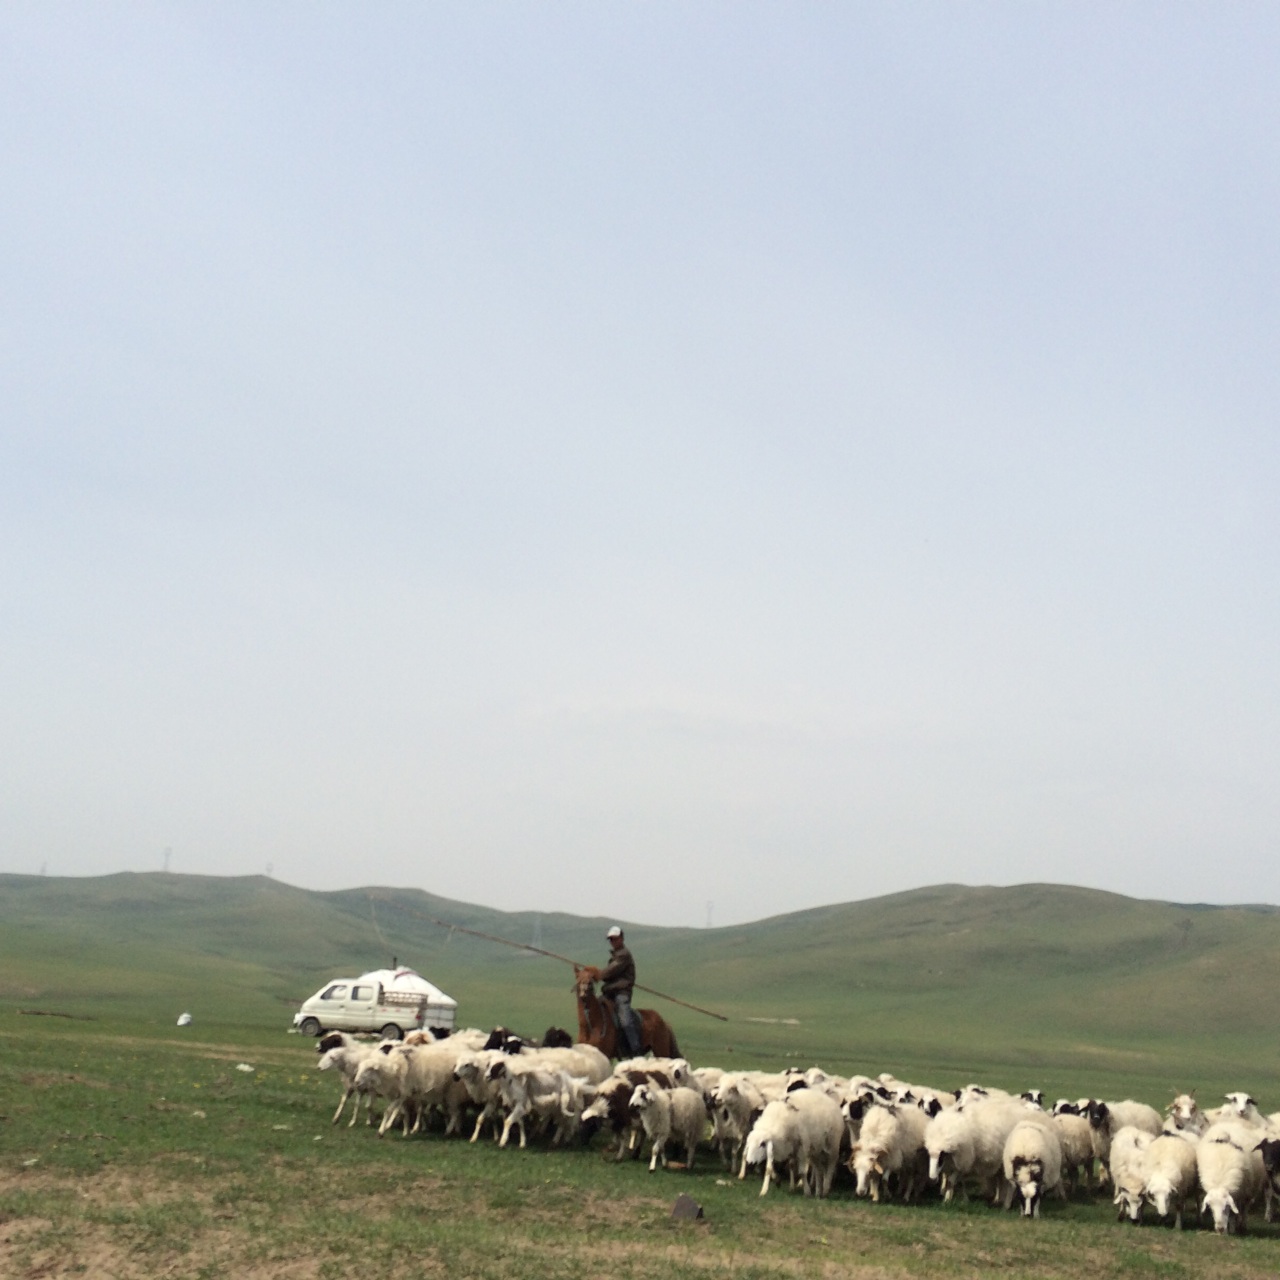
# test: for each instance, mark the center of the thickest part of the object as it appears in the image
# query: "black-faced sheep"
(1032, 1160)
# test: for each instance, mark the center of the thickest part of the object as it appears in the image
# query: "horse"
(597, 1023)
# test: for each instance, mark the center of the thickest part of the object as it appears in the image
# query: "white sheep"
(1108, 1118)
(668, 1114)
(737, 1103)
(340, 1053)
(528, 1088)
(771, 1084)
(775, 1140)
(821, 1128)
(471, 1069)
(949, 1142)
(890, 1142)
(1184, 1115)
(1075, 1135)
(676, 1070)
(1231, 1175)
(966, 1142)
(705, 1079)
(583, 1060)
(1127, 1164)
(1240, 1108)
(973, 1094)
(415, 1078)
(991, 1120)
(1032, 1161)
(576, 1096)
(1171, 1174)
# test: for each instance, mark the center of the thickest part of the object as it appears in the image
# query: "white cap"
(615, 932)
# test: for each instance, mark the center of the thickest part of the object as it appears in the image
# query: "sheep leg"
(516, 1118)
(455, 1123)
(392, 1113)
(346, 1093)
(768, 1168)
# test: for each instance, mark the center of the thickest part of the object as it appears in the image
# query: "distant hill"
(1035, 978)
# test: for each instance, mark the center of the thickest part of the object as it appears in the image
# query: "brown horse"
(597, 1024)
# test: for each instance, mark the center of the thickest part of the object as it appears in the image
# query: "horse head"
(585, 977)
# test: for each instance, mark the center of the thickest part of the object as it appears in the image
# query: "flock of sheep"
(897, 1140)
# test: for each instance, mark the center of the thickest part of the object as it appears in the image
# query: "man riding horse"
(616, 982)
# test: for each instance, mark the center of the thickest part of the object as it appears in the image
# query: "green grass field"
(129, 1147)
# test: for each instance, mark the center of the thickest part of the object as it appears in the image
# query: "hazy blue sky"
(618, 457)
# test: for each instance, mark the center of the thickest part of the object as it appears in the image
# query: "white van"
(388, 1001)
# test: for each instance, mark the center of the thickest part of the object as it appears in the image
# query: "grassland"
(128, 1153)
(1080, 991)
(131, 1148)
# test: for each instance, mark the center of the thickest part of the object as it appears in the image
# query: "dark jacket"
(619, 974)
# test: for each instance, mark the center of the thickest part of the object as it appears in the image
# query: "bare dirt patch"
(48, 1079)
(96, 1255)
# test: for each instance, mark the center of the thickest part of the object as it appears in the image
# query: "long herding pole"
(524, 946)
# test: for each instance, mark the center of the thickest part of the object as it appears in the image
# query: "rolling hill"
(1068, 984)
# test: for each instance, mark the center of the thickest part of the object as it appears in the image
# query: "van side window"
(336, 992)
(362, 993)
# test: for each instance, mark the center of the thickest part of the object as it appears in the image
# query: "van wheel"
(391, 1032)
(310, 1027)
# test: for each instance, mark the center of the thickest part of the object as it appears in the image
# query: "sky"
(677, 462)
